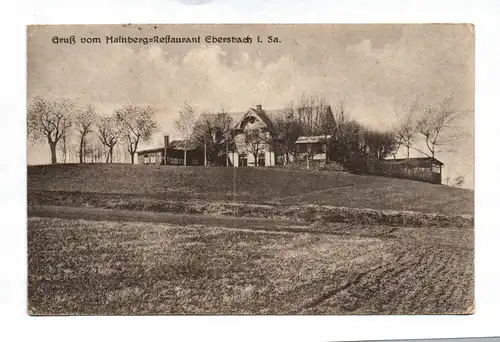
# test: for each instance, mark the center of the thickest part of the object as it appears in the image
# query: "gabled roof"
(174, 145)
(267, 116)
(150, 150)
(263, 116)
(312, 139)
(237, 117)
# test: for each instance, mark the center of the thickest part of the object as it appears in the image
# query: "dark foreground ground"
(90, 263)
(135, 239)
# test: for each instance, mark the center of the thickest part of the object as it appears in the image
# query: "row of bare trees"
(425, 129)
(434, 126)
(61, 123)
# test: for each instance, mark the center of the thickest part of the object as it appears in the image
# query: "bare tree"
(72, 151)
(339, 112)
(285, 132)
(49, 120)
(138, 125)
(458, 182)
(436, 126)
(314, 115)
(341, 134)
(380, 144)
(254, 142)
(185, 124)
(214, 132)
(316, 118)
(326, 128)
(406, 129)
(63, 147)
(350, 145)
(84, 120)
(109, 132)
(97, 152)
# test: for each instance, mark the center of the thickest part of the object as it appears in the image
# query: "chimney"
(166, 141)
(259, 107)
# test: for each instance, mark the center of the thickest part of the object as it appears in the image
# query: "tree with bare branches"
(314, 114)
(109, 132)
(138, 125)
(254, 142)
(84, 120)
(214, 132)
(339, 112)
(50, 120)
(316, 118)
(284, 133)
(437, 127)
(380, 144)
(350, 145)
(406, 129)
(347, 142)
(185, 124)
(63, 147)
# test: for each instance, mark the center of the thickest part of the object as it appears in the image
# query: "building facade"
(251, 144)
(425, 169)
(314, 147)
(172, 153)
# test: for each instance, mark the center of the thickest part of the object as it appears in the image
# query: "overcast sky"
(377, 69)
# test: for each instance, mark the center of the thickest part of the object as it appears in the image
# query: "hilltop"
(248, 185)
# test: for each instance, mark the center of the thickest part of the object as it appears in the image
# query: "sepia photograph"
(250, 169)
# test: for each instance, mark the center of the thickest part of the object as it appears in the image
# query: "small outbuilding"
(172, 153)
(314, 146)
(426, 169)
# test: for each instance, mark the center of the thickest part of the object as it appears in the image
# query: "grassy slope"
(257, 185)
(105, 267)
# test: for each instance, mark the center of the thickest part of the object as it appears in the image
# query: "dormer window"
(249, 120)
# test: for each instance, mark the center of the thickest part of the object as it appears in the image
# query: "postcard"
(253, 169)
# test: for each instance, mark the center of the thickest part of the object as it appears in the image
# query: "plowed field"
(110, 267)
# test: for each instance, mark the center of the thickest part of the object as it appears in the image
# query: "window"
(146, 159)
(152, 159)
(261, 159)
(301, 148)
(318, 148)
(175, 161)
(243, 160)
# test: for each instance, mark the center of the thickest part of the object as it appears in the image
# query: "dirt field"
(110, 267)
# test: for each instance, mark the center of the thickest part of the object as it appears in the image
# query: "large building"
(257, 151)
(251, 143)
